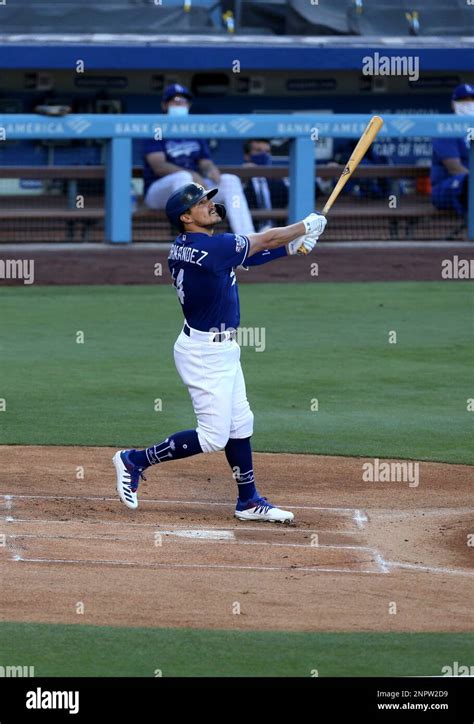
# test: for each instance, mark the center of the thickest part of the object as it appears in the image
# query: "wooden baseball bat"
(371, 130)
(368, 136)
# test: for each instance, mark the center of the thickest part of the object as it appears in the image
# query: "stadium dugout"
(294, 57)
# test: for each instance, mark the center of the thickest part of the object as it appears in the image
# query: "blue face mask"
(178, 110)
(261, 159)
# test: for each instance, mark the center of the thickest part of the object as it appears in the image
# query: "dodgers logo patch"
(240, 243)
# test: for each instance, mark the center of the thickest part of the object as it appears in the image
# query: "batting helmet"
(185, 197)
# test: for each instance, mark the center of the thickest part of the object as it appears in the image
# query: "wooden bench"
(244, 172)
(394, 223)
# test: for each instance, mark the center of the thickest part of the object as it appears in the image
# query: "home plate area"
(181, 559)
(87, 531)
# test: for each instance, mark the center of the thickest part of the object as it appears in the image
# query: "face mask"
(464, 108)
(261, 159)
(178, 110)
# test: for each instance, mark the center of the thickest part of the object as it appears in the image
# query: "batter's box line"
(358, 516)
(241, 528)
(349, 511)
(12, 548)
(8, 504)
(163, 500)
(390, 565)
(384, 566)
(268, 526)
(203, 539)
(218, 566)
(8, 518)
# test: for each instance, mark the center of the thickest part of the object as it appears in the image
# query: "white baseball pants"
(213, 375)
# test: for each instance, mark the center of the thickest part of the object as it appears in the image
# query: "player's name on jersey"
(190, 254)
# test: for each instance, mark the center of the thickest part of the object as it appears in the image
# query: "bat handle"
(302, 251)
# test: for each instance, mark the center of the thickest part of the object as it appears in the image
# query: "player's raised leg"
(209, 373)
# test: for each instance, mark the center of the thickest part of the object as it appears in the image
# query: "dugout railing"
(302, 130)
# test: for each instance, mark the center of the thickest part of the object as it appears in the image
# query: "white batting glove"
(302, 245)
(315, 222)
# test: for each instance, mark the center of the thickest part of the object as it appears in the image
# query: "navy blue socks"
(239, 457)
(186, 443)
(180, 445)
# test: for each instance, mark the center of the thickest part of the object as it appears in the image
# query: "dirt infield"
(360, 556)
(138, 264)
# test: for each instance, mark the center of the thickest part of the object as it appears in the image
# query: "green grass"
(324, 341)
(77, 650)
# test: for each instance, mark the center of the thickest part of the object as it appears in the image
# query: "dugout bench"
(350, 215)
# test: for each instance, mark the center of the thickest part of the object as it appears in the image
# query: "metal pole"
(302, 178)
(118, 207)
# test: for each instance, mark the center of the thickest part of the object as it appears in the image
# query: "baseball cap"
(462, 91)
(176, 90)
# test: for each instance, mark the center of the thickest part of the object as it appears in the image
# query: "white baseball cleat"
(261, 509)
(128, 476)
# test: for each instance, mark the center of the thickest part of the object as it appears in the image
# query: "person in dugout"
(450, 162)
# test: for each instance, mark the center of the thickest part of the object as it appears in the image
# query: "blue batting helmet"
(185, 197)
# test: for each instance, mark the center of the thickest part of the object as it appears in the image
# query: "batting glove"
(303, 244)
(315, 222)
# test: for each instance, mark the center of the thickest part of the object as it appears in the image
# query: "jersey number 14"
(178, 283)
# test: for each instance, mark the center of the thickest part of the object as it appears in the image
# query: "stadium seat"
(361, 17)
(111, 17)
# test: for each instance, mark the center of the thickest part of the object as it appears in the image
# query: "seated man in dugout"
(450, 163)
(262, 192)
(172, 163)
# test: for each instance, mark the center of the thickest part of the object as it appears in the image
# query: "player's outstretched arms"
(313, 225)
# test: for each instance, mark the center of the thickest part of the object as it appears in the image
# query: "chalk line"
(222, 566)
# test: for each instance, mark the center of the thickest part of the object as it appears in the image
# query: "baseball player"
(206, 353)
